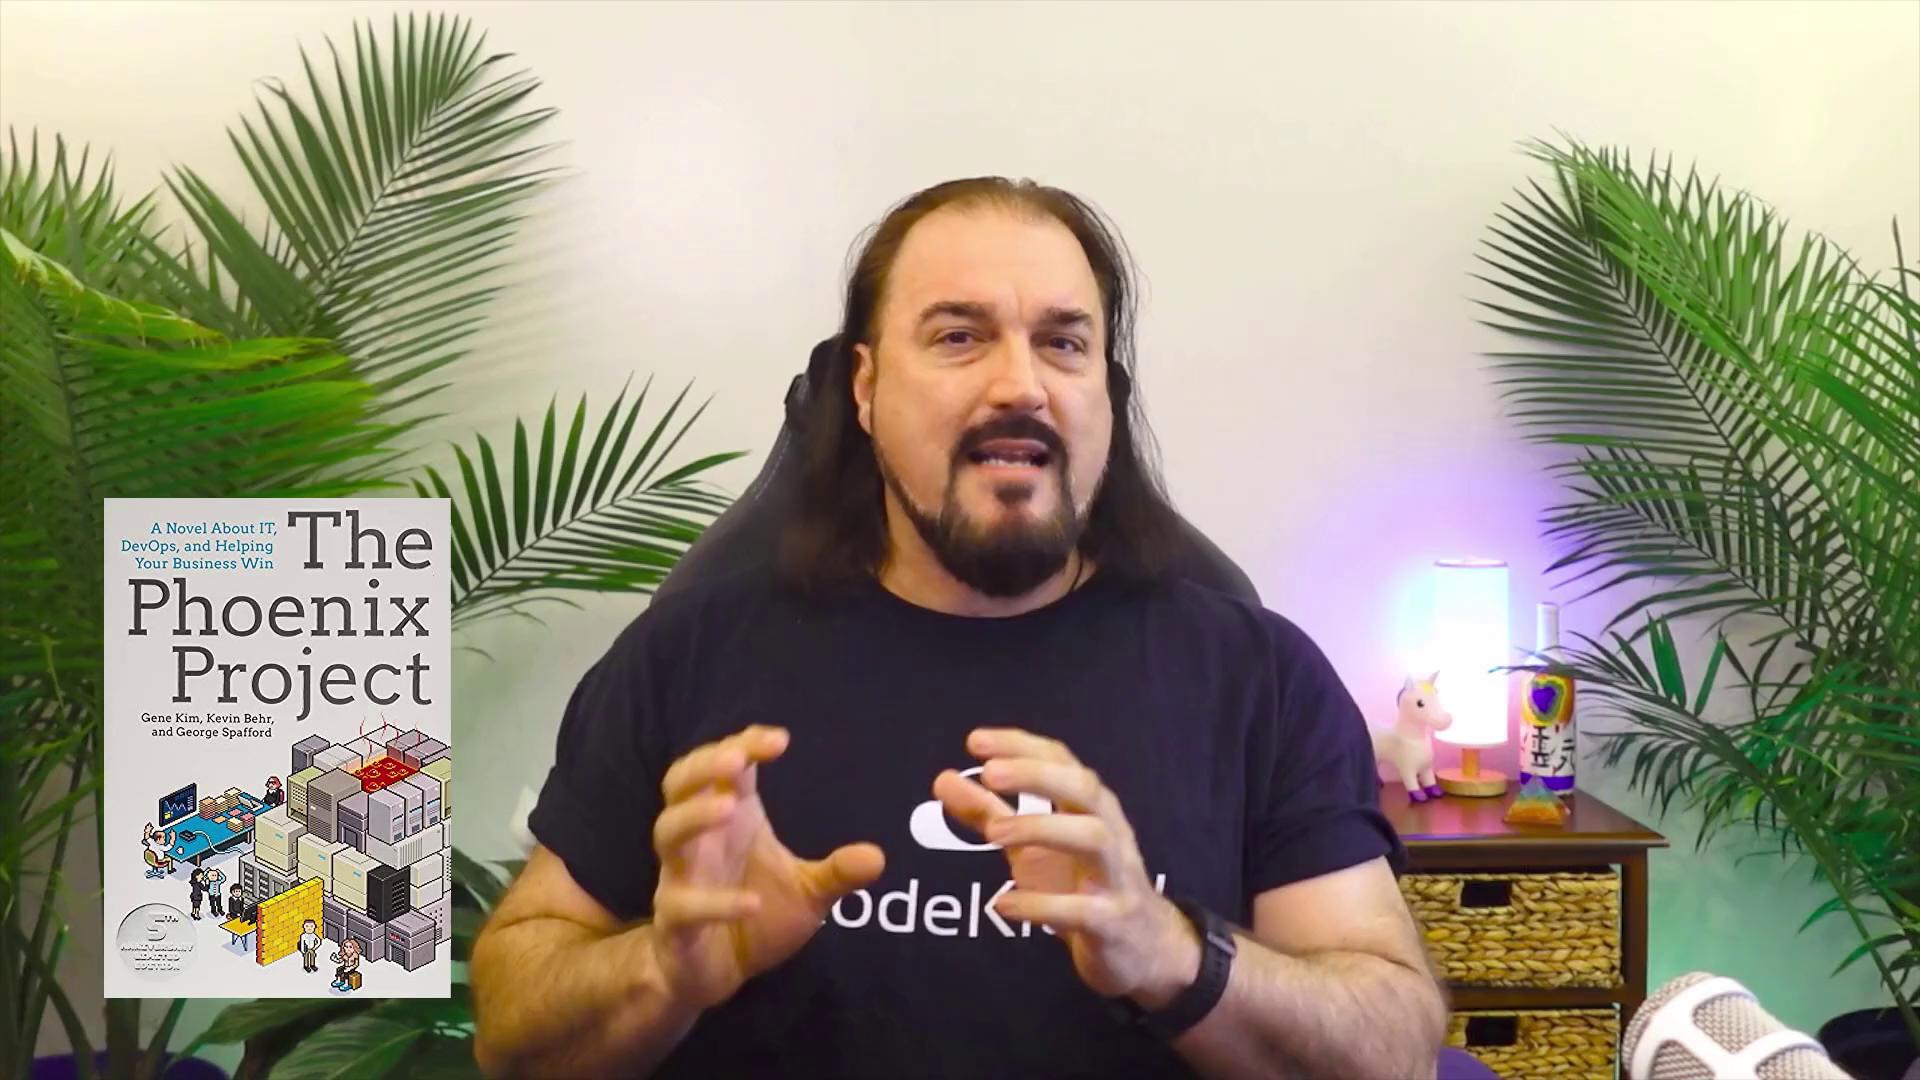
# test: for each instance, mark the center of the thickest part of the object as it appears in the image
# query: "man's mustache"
(1012, 427)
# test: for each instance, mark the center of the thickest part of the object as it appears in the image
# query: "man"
(214, 879)
(274, 796)
(310, 946)
(970, 679)
(159, 853)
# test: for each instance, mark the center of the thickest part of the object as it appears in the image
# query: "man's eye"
(1058, 341)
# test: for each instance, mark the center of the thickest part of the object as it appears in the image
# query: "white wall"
(1304, 186)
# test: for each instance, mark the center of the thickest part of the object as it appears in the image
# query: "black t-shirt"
(1240, 760)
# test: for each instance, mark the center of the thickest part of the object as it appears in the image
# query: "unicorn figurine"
(1405, 747)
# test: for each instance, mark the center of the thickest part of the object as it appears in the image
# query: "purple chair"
(745, 534)
(1460, 1065)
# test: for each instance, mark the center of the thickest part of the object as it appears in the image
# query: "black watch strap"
(1196, 1001)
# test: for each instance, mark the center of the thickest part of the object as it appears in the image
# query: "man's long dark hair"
(836, 533)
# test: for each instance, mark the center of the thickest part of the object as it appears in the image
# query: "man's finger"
(968, 802)
(696, 905)
(1072, 786)
(723, 761)
(1080, 835)
(702, 766)
(844, 870)
(1057, 911)
(990, 742)
(687, 819)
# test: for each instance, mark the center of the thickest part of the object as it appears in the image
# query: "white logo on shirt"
(929, 821)
(905, 911)
(971, 915)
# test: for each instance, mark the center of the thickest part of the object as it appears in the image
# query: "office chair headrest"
(746, 533)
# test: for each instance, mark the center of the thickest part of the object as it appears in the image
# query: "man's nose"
(1016, 377)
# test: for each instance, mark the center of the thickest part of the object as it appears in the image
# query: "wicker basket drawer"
(1540, 1044)
(1545, 929)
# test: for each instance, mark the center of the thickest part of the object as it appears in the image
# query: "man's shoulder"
(1223, 613)
(755, 585)
(723, 604)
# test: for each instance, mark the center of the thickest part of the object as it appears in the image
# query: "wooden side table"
(1461, 835)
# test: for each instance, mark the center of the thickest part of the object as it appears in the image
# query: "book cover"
(278, 794)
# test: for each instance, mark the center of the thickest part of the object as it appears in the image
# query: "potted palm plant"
(1740, 414)
(289, 357)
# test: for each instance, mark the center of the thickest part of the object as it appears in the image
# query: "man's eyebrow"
(969, 309)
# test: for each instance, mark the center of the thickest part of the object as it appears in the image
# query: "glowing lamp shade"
(1470, 641)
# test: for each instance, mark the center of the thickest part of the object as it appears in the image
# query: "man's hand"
(1078, 870)
(732, 900)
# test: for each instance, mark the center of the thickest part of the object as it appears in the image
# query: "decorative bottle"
(1547, 737)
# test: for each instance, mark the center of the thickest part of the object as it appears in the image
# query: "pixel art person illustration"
(347, 975)
(309, 946)
(156, 845)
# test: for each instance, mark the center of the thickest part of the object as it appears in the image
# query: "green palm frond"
(259, 358)
(568, 515)
(139, 400)
(1857, 423)
(392, 192)
(1743, 411)
(1743, 416)
(1793, 769)
(69, 210)
(1664, 319)
(102, 397)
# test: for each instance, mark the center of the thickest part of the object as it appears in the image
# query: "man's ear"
(864, 372)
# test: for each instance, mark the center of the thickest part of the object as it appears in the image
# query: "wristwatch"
(1196, 1001)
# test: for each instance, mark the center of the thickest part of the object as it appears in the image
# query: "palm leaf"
(576, 512)
(1743, 416)
(391, 185)
(1645, 368)
(72, 213)
(140, 400)
(362, 1044)
(103, 396)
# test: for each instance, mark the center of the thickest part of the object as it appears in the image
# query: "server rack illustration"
(359, 847)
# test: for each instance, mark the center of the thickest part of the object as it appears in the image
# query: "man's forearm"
(554, 998)
(1329, 1014)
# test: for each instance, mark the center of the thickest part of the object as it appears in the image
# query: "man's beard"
(1008, 559)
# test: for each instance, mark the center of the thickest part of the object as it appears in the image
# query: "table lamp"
(1470, 642)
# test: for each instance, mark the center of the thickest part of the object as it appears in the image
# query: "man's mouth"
(1011, 454)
